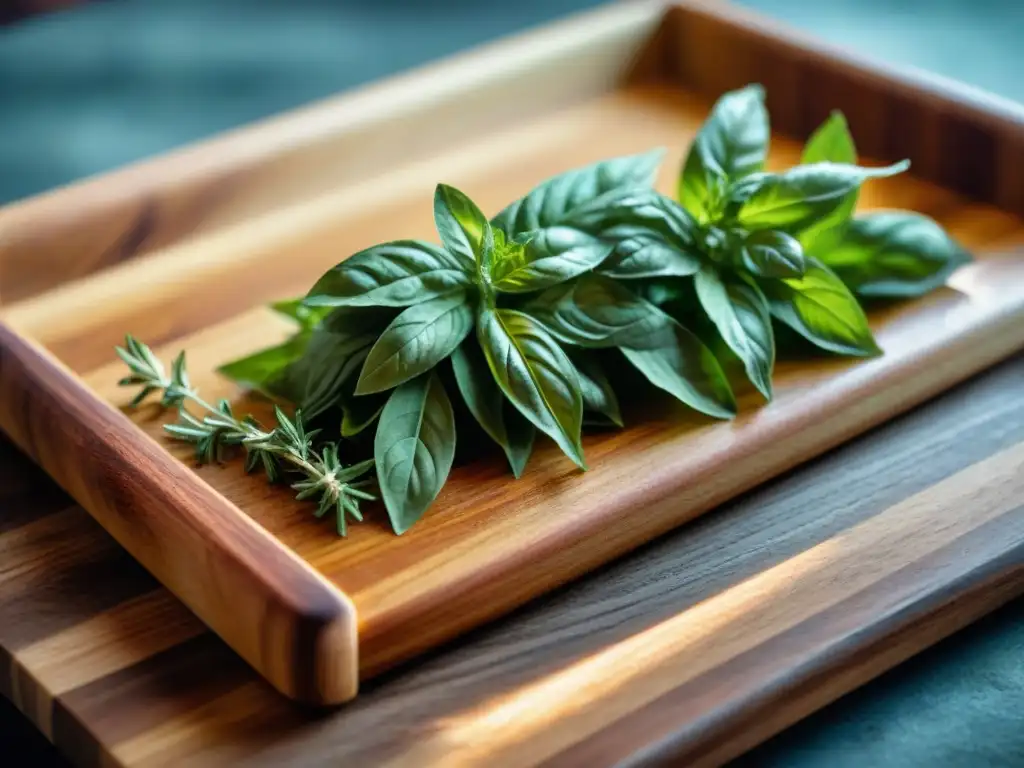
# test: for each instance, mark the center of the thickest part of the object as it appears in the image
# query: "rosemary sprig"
(286, 447)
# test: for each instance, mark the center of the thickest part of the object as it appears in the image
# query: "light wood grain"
(132, 701)
(489, 545)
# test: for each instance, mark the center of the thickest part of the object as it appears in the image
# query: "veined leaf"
(552, 256)
(492, 410)
(821, 309)
(796, 199)
(769, 253)
(550, 203)
(641, 253)
(894, 254)
(596, 311)
(361, 411)
(740, 312)
(264, 371)
(831, 143)
(535, 374)
(417, 340)
(675, 360)
(596, 390)
(732, 143)
(397, 274)
(414, 448)
(464, 230)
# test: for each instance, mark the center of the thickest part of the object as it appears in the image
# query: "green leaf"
(732, 143)
(596, 312)
(264, 371)
(596, 390)
(821, 309)
(641, 253)
(463, 228)
(794, 200)
(414, 448)
(894, 254)
(417, 340)
(552, 202)
(768, 253)
(831, 143)
(740, 312)
(552, 256)
(492, 410)
(397, 274)
(335, 353)
(307, 317)
(359, 412)
(675, 360)
(535, 374)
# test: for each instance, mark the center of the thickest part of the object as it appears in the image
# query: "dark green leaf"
(494, 412)
(769, 253)
(265, 371)
(552, 256)
(740, 312)
(597, 392)
(414, 448)
(463, 228)
(535, 374)
(675, 360)
(397, 274)
(417, 340)
(642, 253)
(831, 143)
(359, 412)
(596, 311)
(551, 203)
(894, 254)
(794, 200)
(821, 309)
(732, 143)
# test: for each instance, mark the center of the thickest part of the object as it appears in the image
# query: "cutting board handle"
(305, 640)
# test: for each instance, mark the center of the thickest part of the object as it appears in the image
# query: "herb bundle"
(519, 313)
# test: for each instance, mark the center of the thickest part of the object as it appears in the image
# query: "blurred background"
(89, 86)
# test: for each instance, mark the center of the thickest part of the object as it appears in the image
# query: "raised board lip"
(879, 74)
(280, 596)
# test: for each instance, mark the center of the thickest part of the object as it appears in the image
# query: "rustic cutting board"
(183, 251)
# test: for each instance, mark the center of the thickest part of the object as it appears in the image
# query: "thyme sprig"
(287, 447)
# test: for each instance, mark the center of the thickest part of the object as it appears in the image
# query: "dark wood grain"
(195, 703)
(275, 611)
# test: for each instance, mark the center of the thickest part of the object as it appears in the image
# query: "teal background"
(93, 88)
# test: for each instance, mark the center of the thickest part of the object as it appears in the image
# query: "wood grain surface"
(489, 545)
(689, 650)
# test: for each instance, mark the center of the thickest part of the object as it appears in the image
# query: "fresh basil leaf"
(597, 312)
(463, 228)
(641, 253)
(359, 412)
(831, 143)
(397, 274)
(659, 291)
(675, 360)
(414, 448)
(794, 200)
(264, 371)
(552, 202)
(306, 317)
(335, 353)
(732, 143)
(492, 410)
(740, 312)
(417, 340)
(821, 309)
(894, 254)
(535, 374)
(596, 390)
(552, 256)
(768, 253)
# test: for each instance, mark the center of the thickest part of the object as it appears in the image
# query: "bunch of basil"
(596, 259)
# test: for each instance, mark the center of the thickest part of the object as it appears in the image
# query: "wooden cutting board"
(182, 252)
